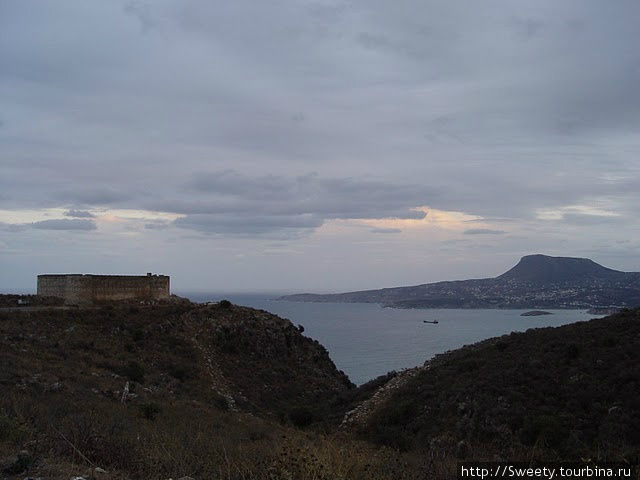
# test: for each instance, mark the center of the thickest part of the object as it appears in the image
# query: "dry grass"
(68, 437)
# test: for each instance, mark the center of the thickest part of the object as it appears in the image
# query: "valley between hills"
(185, 390)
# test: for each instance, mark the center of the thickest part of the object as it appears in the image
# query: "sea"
(366, 340)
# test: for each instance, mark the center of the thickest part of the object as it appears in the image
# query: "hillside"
(161, 392)
(536, 282)
(255, 360)
(229, 392)
(559, 393)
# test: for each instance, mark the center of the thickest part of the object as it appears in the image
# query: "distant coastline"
(537, 282)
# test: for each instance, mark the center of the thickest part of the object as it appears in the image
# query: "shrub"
(219, 401)
(548, 430)
(224, 304)
(572, 351)
(133, 371)
(149, 411)
(137, 335)
(182, 372)
(398, 412)
(179, 346)
(302, 416)
(11, 430)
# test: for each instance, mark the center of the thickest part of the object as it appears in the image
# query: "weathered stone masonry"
(88, 289)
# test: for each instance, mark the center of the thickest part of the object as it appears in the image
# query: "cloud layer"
(321, 125)
(65, 224)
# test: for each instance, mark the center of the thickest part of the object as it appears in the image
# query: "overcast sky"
(316, 145)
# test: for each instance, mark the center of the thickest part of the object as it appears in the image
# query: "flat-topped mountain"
(545, 269)
(536, 282)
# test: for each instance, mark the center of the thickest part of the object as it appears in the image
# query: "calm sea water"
(366, 340)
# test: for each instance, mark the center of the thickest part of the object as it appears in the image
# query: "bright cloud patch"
(579, 214)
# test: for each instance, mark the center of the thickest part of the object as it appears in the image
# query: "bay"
(367, 340)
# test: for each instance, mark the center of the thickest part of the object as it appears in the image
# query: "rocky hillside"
(256, 361)
(536, 282)
(163, 391)
(562, 393)
(223, 391)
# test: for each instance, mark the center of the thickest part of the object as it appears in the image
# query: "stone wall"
(52, 285)
(89, 289)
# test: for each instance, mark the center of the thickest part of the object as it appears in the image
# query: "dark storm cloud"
(483, 231)
(65, 224)
(79, 214)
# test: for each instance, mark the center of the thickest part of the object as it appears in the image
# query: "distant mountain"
(537, 281)
(545, 269)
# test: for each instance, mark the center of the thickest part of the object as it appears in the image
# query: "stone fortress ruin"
(82, 289)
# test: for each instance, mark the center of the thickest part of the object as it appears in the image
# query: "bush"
(302, 417)
(224, 304)
(133, 371)
(182, 372)
(572, 351)
(398, 412)
(137, 335)
(219, 401)
(11, 430)
(149, 411)
(548, 430)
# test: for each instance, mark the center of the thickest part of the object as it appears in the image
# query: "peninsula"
(536, 282)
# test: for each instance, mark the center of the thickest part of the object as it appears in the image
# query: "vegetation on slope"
(228, 392)
(213, 392)
(562, 393)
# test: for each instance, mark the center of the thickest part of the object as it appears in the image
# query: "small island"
(535, 313)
